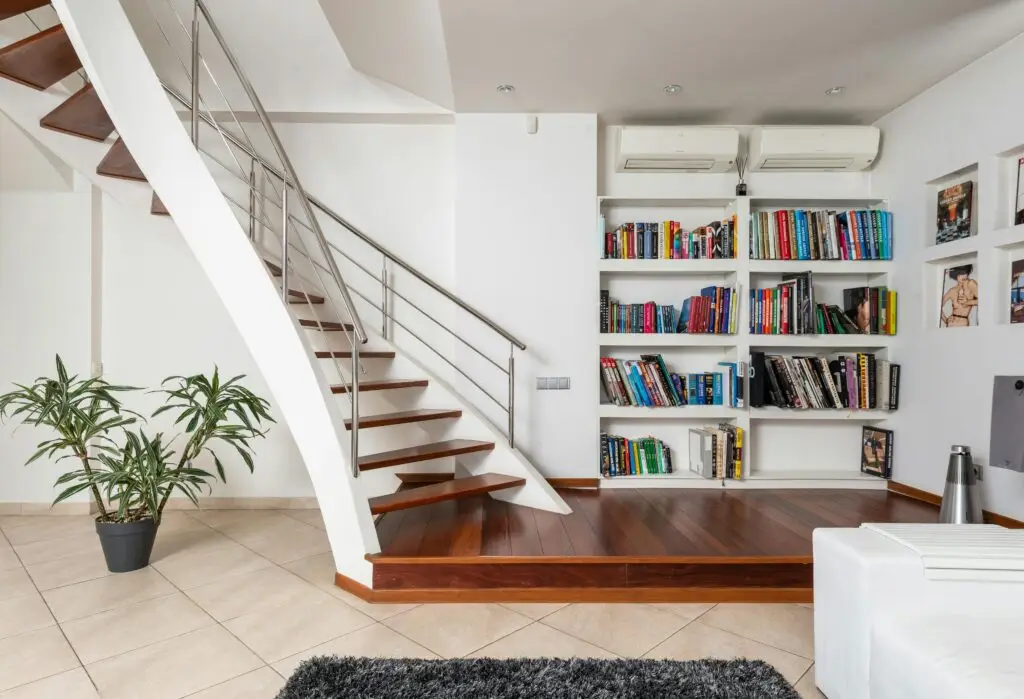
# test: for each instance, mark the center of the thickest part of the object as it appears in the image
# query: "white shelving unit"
(669, 281)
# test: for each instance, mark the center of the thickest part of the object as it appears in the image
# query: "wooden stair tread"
(325, 325)
(347, 354)
(82, 114)
(404, 417)
(118, 162)
(302, 297)
(41, 60)
(157, 208)
(423, 452)
(381, 385)
(274, 268)
(418, 479)
(447, 490)
(12, 8)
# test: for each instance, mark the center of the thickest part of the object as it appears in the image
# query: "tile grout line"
(763, 643)
(801, 678)
(55, 622)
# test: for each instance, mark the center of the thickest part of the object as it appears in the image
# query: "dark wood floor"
(643, 523)
(622, 545)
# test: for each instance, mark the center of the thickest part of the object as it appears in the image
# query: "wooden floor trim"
(910, 491)
(380, 559)
(611, 595)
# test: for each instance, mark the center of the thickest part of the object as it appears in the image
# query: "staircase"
(283, 286)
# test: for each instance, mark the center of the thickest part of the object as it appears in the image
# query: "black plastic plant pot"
(127, 546)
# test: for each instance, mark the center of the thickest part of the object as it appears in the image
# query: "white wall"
(971, 117)
(45, 303)
(524, 224)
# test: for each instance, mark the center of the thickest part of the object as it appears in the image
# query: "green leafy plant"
(138, 475)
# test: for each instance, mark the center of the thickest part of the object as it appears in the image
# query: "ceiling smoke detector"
(506, 89)
(837, 90)
(673, 89)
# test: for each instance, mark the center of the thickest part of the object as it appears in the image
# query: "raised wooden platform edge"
(382, 559)
(542, 595)
(425, 478)
(910, 491)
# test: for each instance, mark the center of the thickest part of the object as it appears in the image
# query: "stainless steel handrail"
(292, 178)
(337, 218)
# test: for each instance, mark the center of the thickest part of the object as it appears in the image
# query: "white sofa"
(882, 630)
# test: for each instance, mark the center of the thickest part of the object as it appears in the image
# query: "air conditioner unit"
(676, 149)
(829, 148)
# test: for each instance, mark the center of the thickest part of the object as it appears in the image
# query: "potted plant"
(132, 479)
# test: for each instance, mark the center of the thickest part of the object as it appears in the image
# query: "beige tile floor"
(235, 600)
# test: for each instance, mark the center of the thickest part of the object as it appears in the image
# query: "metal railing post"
(195, 74)
(284, 242)
(252, 201)
(384, 298)
(354, 393)
(512, 395)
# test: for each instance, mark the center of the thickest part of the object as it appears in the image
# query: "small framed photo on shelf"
(1018, 217)
(876, 452)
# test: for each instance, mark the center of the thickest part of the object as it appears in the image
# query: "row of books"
(797, 234)
(857, 382)
(647, 382)
(717, 452)
(788, 308)
(667, 240)
(633, 457)
(714, 311)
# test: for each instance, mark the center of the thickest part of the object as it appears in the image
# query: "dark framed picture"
(876, 452)
(1018, 217)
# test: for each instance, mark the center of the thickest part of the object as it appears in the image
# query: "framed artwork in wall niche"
(958, 307)
(1017, 291)
(956, 206)
(1018, 217)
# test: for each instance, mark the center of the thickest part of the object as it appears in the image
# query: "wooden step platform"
(439, 492)
(383, 385)
(12, 8)
(622, 545)
(347, 354)
(404, 417)
(83, 115)
(157, 207)
(324, 325)
(119, 163)
(423, 452)
(41, 60)
(275, 269)
(301, 297)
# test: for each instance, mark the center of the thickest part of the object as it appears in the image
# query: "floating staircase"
(473, 457)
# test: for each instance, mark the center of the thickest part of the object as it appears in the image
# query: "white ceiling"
(738, 61)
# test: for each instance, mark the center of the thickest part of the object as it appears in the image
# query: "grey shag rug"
(372, 678)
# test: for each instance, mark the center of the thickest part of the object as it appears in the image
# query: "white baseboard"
(85, 508)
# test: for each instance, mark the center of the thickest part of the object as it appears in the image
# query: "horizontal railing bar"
(181, 99)
(432, 349)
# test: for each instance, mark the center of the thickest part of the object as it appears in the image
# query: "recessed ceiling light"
(506, 89)
(673, 89)
(838, 89)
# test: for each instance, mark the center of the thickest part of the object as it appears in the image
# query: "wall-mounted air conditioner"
(802, 148)
(676, 148)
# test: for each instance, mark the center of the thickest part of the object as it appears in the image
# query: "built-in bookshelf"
(782, 447)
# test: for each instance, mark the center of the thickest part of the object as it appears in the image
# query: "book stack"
(848, 382)
(636, 317)
(872, 309)
(717, 452)
(634, 457)
(648, 383)
(716, 310)
(667, 240)
(796, 234)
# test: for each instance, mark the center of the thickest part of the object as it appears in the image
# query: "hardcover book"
(1017, 292)
(959, 305)
(857, 306)
(876, 452)
(954, 215)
